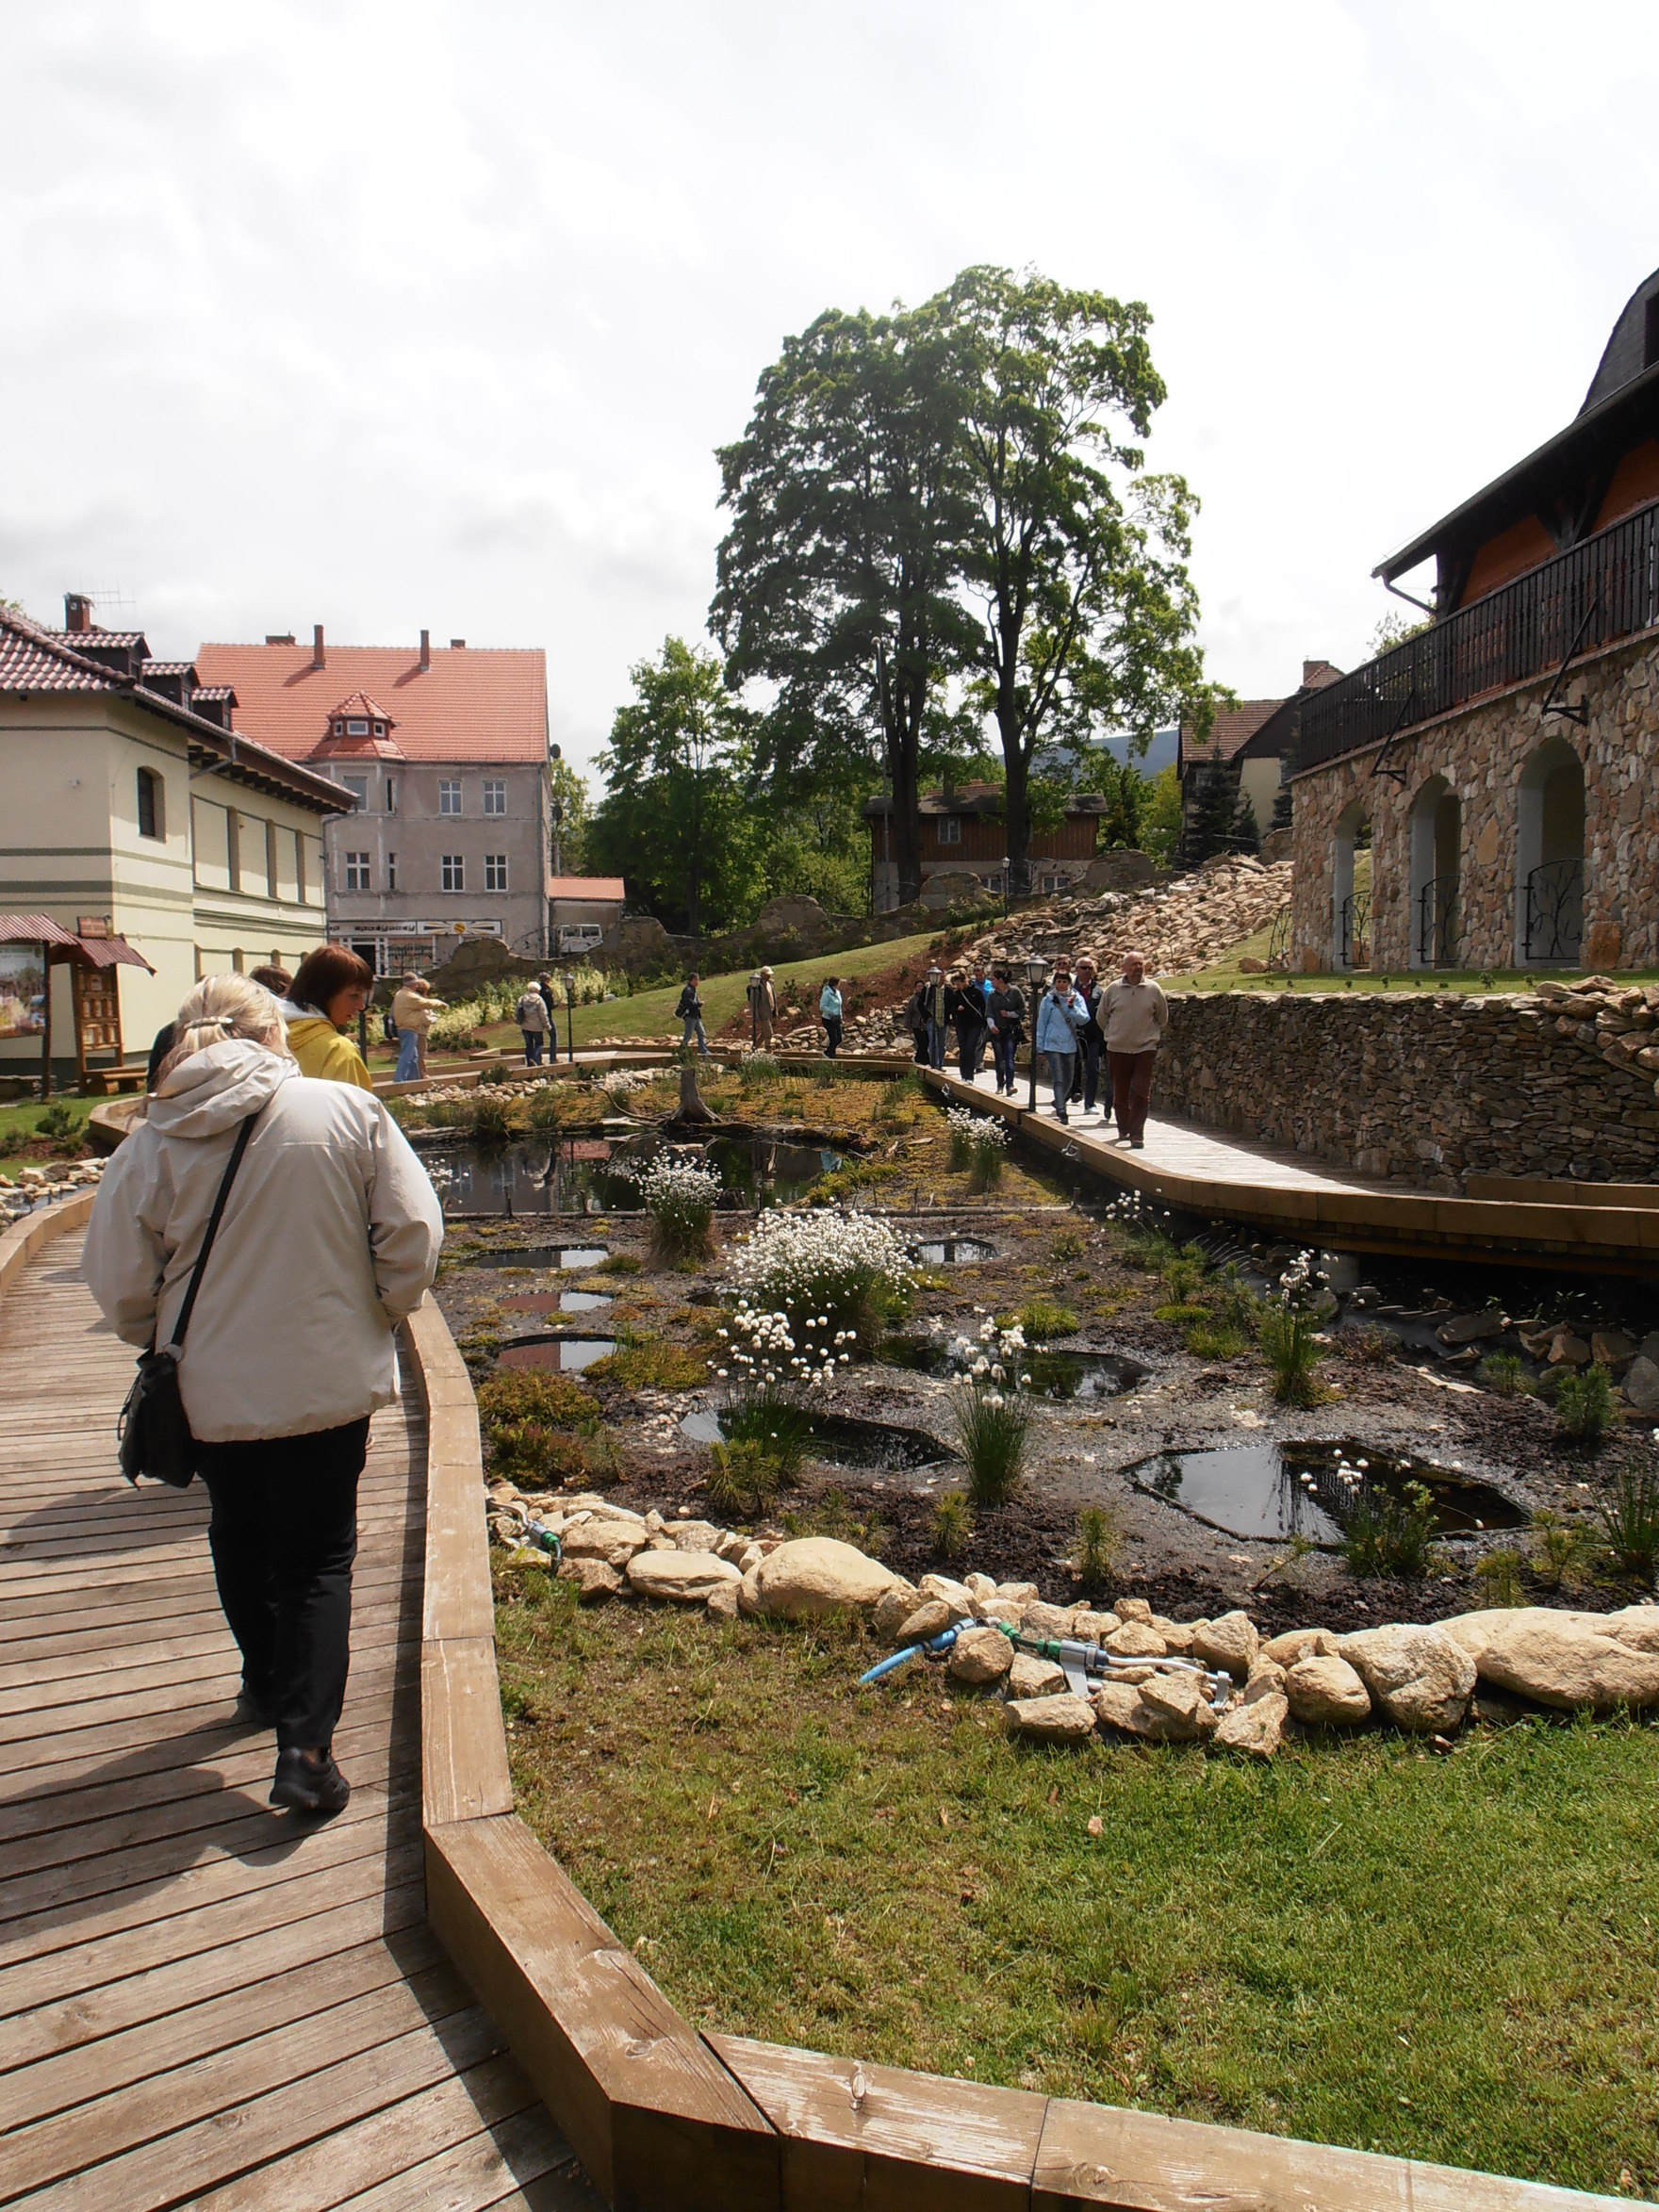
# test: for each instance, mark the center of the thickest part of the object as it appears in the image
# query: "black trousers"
(284, 1536)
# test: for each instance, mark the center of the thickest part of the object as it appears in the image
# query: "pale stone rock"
(1177, 1636)
(1557, 1658)
(953, 1593)
(1177, 1709)
(1000, 1608)
(893, 1607)
(1049, 1620)
(1093, 1627)
(1611, 1348)
(1472, 1328)
(594, 1579)
(1063, 1719)
(1134, 1640)
(1267, 1679)
(1641, 1384)
(1327, 1692)
(749, 1594)
(931, 1618)
(750, 1556)
(689, 1577)
(1297, 1643)
(1635, 1625)
(1568, 1351)
(653, 1523)
(1132, 1609)
(1119, 1705)
(1420, 1677)
(613, 1541)
(979, 1657)
(1255, 1726)
(979, 1585)
(1030, 1676)
(1230, 1643)
(816, 1575)
(723, 1601)
(1018, 1593)
(732, 1546)
(696, 1536)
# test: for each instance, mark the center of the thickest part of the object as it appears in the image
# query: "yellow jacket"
(327, 1053)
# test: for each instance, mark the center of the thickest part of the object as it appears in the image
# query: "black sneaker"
(304, 1788)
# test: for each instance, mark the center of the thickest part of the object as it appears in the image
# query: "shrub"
(1505, 1373)
(1291, 1355)
(1070, 1244)
(953, 1524)
(548, 1106)
(532, 1394)
(1099, 1540)
(679, 1196)
(56, 1123)
(1558, 1555)
(977, 1142)
(1043, 1319)
(744, 1477)
(1631, 1518)
(651, 1366)
(771, 1420)
(1500, 1577)
(1585, 1410)
(619, 1263)
(1388, 1535)
(530, 1453)
(848, 1273)
(485, 1119)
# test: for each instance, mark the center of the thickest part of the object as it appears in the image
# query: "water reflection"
(584, 1174)
(1278, 1491)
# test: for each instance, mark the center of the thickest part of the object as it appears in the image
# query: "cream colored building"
(126, 796)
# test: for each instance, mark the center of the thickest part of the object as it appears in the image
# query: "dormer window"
(380, 729)
(357, 726)
(339, 730)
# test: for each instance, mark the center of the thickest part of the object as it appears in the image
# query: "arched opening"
(1350, 891)
(1550, 856)
(1436, 857)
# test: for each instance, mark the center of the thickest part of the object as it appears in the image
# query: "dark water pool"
(1085, 1376)
(584, 1174)
(1275, 1491)
(839, 1440)
(560, 1355)
(953, 1252)
(512, 1257)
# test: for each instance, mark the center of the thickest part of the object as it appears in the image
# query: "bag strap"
(234, 1162)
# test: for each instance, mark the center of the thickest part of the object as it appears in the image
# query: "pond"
(512, 1257)
(1085, 1376)
(584, 1174)
(561, 1355)
(839, 1440)
(558, 1302)
(953, 1252)
(1275, 1491)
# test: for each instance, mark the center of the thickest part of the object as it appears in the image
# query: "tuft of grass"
(620, 1263)
(992, 1426)
(1584, 1407)
(549, 1107)
(1044, 1318)
(743, 1478)
(1391, 1535)
(1560, 1553)
(953, 1524)
(1630, 1516)
(1099, 1543)
(1070, 1244)
(650, 1364)
(1291, 1355)
(770, 1419)
(485, 1119)
(529, 1394)
(1304, 1994)
(1505, 1372)
(1500, 1576)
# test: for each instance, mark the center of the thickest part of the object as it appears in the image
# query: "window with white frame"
(357, 872)
(357, 726)
(494, 795)
(950, 829)
(495, 871)
(448, 797)
(455, 871)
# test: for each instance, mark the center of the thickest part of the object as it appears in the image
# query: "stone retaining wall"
(1430, 1088)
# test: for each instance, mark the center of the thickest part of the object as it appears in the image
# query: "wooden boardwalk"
(203, 2001)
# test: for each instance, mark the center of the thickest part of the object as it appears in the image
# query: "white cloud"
(387, 316)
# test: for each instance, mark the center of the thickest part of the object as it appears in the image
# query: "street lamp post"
(569, 1018)
(1004, 869)
(1036, 968)
(754, 1011)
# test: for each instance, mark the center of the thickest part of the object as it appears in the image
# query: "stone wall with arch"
(1501, 762)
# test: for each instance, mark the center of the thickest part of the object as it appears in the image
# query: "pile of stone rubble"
(34, 1184)
(1420, 1678)
(1621, 1021)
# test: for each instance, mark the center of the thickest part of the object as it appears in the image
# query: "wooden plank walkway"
(203, 2001)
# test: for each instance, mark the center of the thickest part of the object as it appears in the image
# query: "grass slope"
(1448, 1958)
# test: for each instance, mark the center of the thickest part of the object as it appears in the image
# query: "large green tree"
(839, 575)
(1072, 558)
(675, 820)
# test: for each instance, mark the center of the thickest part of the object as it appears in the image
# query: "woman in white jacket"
(330, 1234)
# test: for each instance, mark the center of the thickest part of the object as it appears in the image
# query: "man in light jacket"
(1060, 1019)
(534, 1023)
(413, 1007)
(938, 1016)
(330, 1237)
(1133, 1015)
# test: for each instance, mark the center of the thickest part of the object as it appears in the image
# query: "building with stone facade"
(1482, 795)
(130, 800)
(444, 751)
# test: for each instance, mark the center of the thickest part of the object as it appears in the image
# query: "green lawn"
(1452, 1959)
(21, 1119)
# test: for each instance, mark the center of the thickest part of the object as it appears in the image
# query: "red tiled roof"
(588, 887)
(1232, 730)
(32, 659)
(468, 706)
(167, 668)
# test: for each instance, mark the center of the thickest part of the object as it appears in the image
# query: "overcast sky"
(430, 314)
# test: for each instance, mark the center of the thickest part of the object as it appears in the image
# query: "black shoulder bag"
(152, 1432)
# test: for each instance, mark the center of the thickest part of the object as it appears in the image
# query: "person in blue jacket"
(1059, 1020)
(829, 1014)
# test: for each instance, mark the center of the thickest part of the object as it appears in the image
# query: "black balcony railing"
(1437, 932)
(1603, 589)
(1556, 911)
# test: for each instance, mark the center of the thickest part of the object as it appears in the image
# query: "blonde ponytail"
(222, 1007)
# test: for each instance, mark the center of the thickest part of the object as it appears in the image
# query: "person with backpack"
(328, 1235)
(1007, 1027)
(829, 1014)
(535, 1023)
(689, 1014)
(1060, 1018)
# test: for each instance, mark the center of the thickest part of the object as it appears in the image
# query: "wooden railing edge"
(662, 2115)
(20, 1242)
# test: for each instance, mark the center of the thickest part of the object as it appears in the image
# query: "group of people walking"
(268, 1175)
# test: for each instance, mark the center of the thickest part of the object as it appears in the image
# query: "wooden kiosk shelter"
(92, 958)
